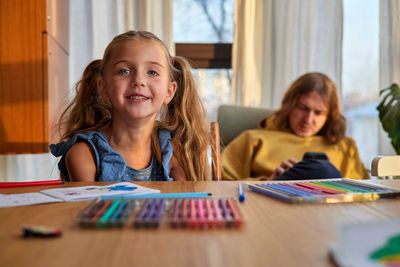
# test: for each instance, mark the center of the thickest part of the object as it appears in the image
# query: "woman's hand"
(286, 164)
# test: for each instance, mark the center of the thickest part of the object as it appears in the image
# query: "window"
(203, 33)
(360, 74)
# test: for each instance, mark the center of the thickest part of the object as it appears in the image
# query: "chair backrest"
(215, 152)
(233, 120)
(385, 166)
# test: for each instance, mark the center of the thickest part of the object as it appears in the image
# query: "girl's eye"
(152, 73)
(124, 71)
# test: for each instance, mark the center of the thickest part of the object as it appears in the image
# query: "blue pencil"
(166, 195)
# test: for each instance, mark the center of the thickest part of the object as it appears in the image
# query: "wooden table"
(274, 233)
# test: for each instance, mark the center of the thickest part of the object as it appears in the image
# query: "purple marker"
(150, 214)
(159, 213)
(141, 215)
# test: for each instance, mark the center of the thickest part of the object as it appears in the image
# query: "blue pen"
(166, 195)
(241, 193)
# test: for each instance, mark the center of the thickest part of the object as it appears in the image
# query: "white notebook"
(73, 194)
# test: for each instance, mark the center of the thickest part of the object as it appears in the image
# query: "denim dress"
(110, 165)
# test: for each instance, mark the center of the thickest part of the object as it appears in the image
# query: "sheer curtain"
(389, 57)
(93, 23)
(276, 41)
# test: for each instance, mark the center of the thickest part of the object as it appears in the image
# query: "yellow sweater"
(256, 153)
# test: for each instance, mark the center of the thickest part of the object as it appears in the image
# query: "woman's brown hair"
(335, 126)
(184, 116)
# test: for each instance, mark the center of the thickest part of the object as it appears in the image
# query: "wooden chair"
(215, 152)
(385, 166)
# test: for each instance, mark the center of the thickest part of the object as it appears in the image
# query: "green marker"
(103, 220)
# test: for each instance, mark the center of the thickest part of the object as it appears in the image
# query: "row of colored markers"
(324, 188)
(151, 212)
(320, 191)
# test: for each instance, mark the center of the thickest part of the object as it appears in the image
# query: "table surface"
(274, 233)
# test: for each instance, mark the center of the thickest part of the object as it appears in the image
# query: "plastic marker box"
(179, 212)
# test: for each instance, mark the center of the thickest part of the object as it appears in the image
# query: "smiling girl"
(110, 131)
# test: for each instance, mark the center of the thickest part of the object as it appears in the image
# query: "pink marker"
(184, 213)
(192, 213)
(209, 214)
(219, 220)
(200, 213)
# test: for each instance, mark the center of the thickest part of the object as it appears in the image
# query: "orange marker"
(237, 216)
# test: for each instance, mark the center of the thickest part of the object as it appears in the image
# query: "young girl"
(111, 132)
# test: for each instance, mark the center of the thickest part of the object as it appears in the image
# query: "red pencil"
(33, 183)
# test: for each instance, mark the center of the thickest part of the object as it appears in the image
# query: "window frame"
(206, 55)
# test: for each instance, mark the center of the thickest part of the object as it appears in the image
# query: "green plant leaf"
(389, 114)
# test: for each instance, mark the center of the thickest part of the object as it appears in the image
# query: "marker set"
(207, 212)
(152, 212)
(324, 191)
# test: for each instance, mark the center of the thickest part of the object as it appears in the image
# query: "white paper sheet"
(15, 200)
(73, 194)
(358, 241)
(91, 192)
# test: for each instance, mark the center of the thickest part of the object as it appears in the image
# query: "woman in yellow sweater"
(309, 120)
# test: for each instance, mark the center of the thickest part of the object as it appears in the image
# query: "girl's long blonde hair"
(184, 116)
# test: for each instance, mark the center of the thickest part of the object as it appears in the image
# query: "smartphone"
(315, 155)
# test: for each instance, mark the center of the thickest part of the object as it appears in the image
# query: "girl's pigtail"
(185, 118)
(88, 111)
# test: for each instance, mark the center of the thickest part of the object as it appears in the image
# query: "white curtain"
(92, 25)
(276, 41)
(155, 16)
(28, 167)
(389, 57)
